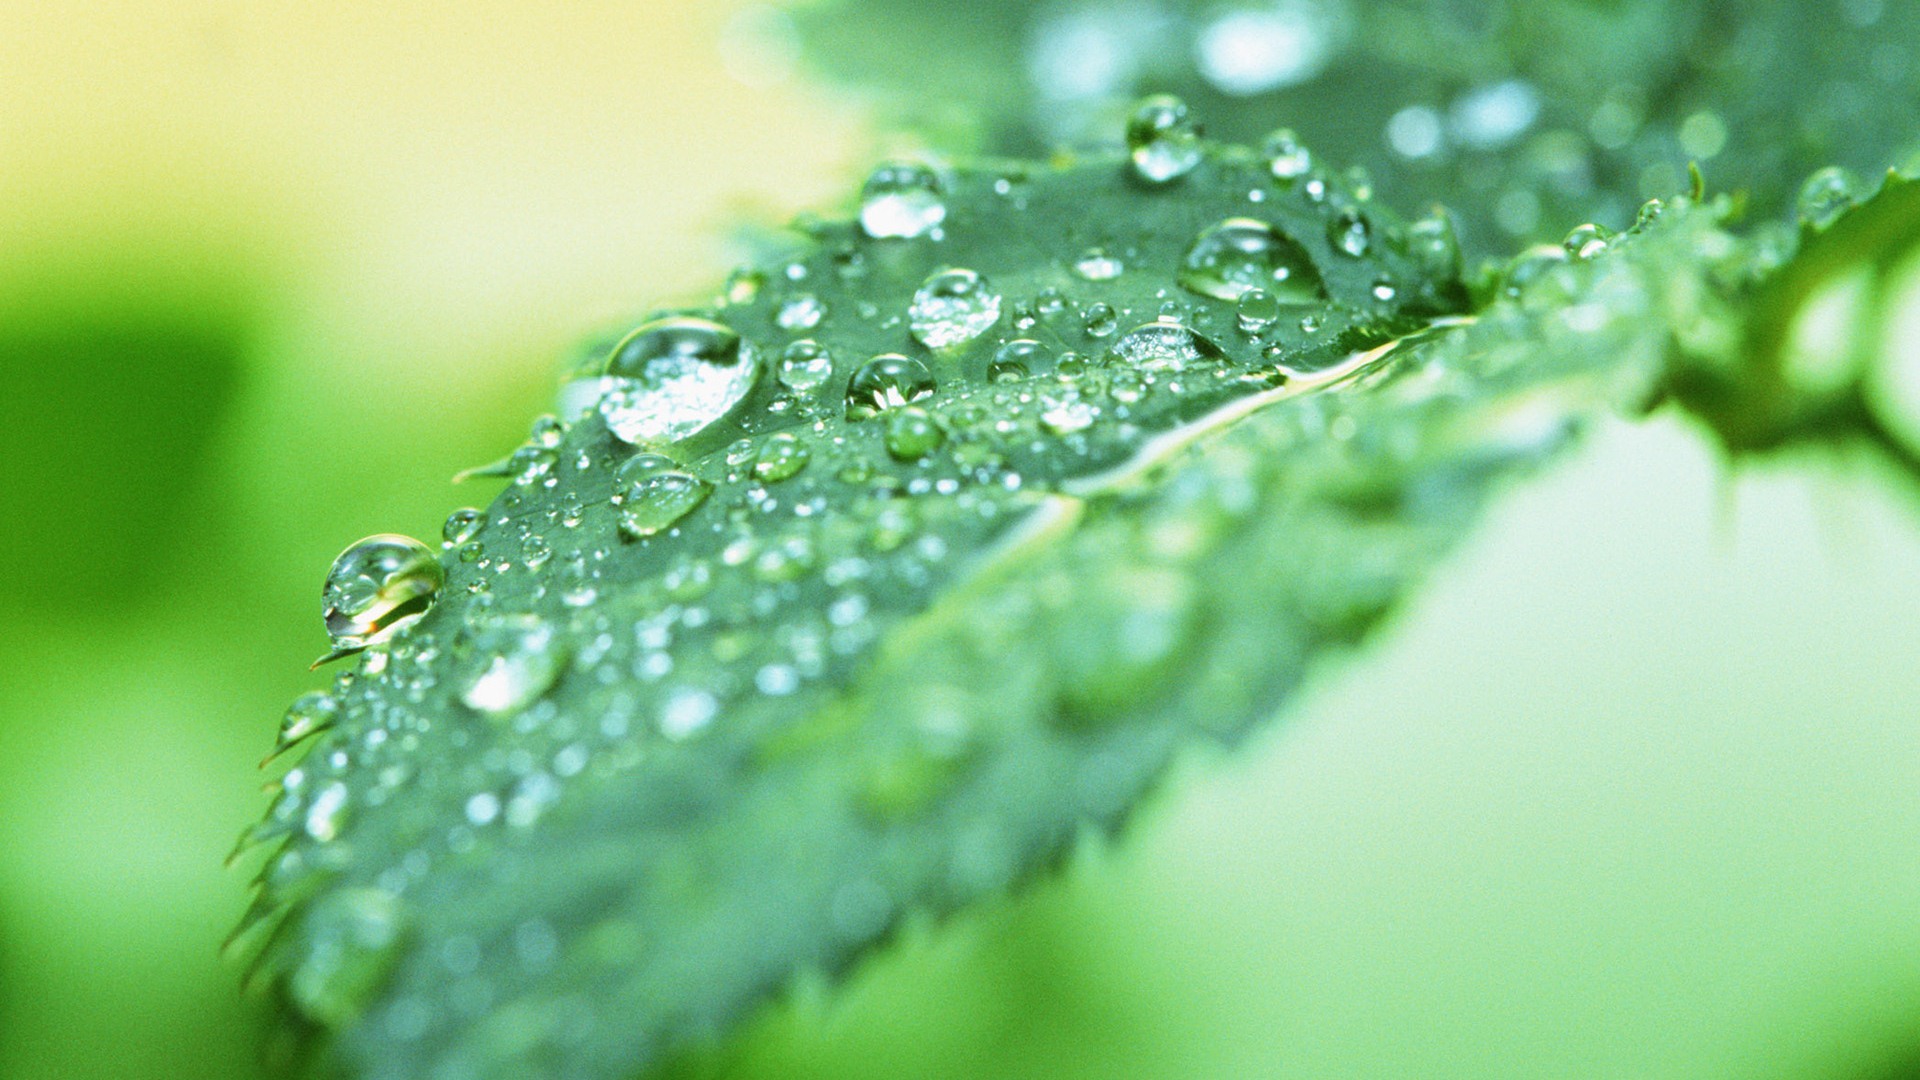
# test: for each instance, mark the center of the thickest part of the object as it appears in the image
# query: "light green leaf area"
(679, 732)
(1525, 117)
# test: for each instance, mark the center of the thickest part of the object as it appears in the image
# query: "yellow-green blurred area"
(1633, 791)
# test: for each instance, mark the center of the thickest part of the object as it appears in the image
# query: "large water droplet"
(673, 377)
(1165, 345)
(952, 308)
(520, 660)
(375, 587)
(1236, 256)
(1163, 139)
(658, 501)
(901, 200)
(886, 382)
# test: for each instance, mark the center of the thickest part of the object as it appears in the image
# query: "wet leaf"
(1011, 503)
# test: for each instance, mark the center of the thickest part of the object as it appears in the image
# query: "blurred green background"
(1633, 791)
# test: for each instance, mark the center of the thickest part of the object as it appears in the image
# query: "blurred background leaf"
(1525, 117)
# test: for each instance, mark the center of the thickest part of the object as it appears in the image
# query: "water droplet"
(532, 464)
(327, 813)
(1435, 246)
(659, 501)
(782, 456)
(901, 200)
(310, 712)
(1017, 359)
(802, 312)
(1234, 257)
(1384, 291)
(804, 365)
(638, 468)
(1529, 266)
(1257, 310)
(377, 586)
(673, 377)
(351, 940)
(1165, 345)
(912, 434)
(1827, 195)
(1350, 234)
(521, 660)
(744, 285)
(547, 431)
(952, 308)
(1163, 139)
(1287, 159)
(1101, 320)
(535, 551)
(886, 382)
(1094, 264)
(1650, 211)
(1586, 242)
(462, 525)
(1067, 413)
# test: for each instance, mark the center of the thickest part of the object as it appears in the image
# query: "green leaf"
(824, 669)
(1525, 117)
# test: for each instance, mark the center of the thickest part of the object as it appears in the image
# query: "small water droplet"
(1257, 310)
(1094, 264)
(1287, 159)
(351, 939)
(1587, 241)
(1165, 345)
(1066, 414)
(521, 659)
(1233, 257)
(532, 464)
(802, 312)
(1827, 195)
(805, 365)
(912, 434)
(1350, 234)
(1529, 266)
(660, 500)
(377, 586)
(887, 382)
(744, 285)
(310, 712)
(1435, 246)
(673, 377)
(462, 525)
(901, 199)
(547, 431)
(781, 457)
(1163, 139)
(952, 308)
(1017, 359)
(1101, 320)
